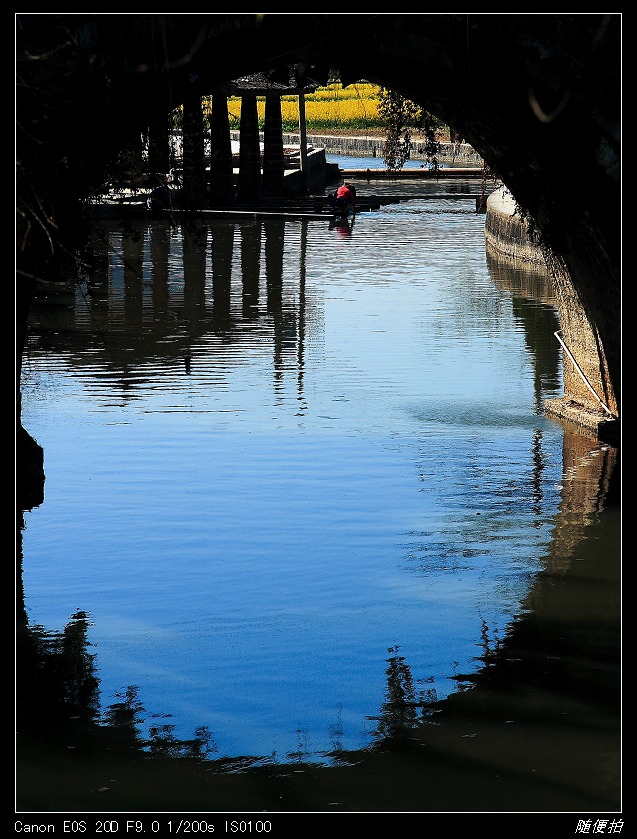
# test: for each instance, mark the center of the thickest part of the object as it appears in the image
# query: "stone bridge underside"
(537, 95)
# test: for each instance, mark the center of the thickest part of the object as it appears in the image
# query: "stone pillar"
(221, 192)
(273, 159)
(194, 189)
(249, 186)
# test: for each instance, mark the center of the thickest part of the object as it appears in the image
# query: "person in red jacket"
(345, 199)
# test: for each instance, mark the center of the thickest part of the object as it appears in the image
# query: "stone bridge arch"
(537, 95)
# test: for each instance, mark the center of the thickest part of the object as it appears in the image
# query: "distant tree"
(402, 117)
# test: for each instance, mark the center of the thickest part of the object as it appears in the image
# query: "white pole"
(303, 143)
(581, 372)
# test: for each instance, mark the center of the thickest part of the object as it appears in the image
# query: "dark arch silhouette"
(537, 95)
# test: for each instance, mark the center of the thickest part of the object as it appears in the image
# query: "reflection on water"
(301, 503)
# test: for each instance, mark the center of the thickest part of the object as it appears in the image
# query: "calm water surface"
(300, 489)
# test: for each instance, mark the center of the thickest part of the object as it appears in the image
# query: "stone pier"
(587, 400)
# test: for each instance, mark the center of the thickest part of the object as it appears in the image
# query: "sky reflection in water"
(274, 454)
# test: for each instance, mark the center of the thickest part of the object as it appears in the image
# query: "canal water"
(308, 541)
(345, 161)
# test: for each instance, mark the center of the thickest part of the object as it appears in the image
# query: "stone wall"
(507, 234)
(460, 154)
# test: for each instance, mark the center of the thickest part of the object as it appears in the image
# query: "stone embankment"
(458, 154)
(507, 234)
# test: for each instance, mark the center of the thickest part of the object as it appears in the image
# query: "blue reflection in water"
(274, 454)
(348, 162)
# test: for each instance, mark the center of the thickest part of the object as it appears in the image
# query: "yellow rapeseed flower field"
(333, 108)
(328, 108)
